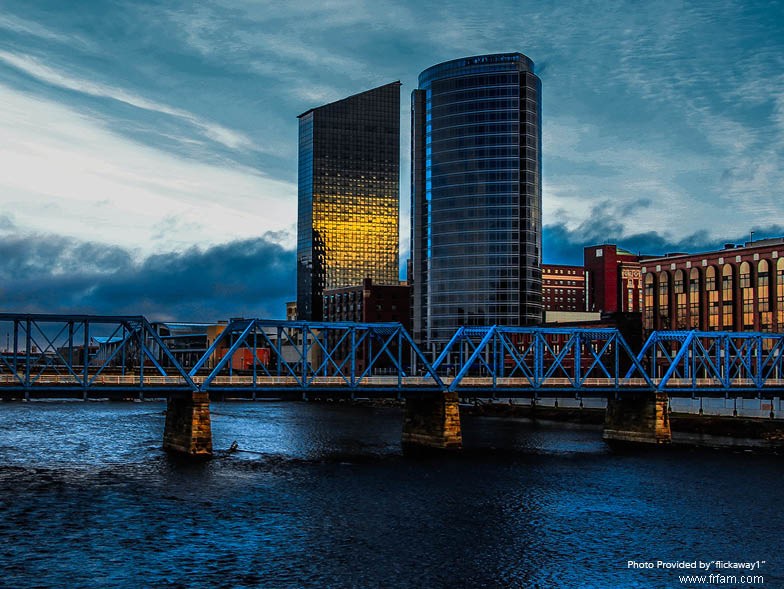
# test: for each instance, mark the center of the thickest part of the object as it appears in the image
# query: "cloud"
(34, 68)
(57, 274)
(62, 172)
(564, 245)
(28, 27)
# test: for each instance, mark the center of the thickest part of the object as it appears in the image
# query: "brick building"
(369, 303)
(563, 288)
(738, 288)
(613, 279)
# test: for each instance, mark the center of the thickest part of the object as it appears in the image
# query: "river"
(321, 496)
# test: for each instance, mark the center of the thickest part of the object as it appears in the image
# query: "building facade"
(738, 288)
(369, 303)
(563, 288)
(348, 204)
(613, 279)
(476, 196)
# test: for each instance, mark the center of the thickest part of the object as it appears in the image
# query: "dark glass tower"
(476, 198)
(348, 215)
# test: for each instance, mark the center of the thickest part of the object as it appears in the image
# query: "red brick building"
(738, 288)
(613, 279)
(369, 303)
(563, 288)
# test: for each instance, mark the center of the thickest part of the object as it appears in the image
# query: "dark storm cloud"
(560, 245)
(55, 274)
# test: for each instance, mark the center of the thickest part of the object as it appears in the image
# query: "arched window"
(664, 297)
(713, 298)
(727, 297)
(763, 295)
(694, 298)
(747, 296)
(648, 302)
(780, 292)
(679, 287)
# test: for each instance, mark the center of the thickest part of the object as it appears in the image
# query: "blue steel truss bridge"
(84, 356)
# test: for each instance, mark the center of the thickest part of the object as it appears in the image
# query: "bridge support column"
(432, 422)
(638, 418)
(188, 430)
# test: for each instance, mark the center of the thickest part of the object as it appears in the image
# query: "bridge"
(85, 356)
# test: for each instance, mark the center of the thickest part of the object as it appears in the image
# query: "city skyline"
(150, 156)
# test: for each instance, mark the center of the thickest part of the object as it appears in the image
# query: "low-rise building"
(737, 288)
(563, 288)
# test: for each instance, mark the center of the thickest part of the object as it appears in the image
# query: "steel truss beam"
(48, 354)
(703, 362)
(531, 360)
(51, 355)
(309, 356)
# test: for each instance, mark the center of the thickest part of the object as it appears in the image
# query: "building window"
(664, 297)
(780, 292)
(713, 298)
(680, 299)
(763, 296)
(747, 296)
(694, 298)
(727, 297)
(649, 301)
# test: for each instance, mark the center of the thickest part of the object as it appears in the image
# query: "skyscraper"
(476, 199)
(348, 216)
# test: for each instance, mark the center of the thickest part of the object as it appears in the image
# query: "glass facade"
(349, 198)
(476, 195)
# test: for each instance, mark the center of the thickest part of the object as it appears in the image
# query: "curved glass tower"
(476, 199)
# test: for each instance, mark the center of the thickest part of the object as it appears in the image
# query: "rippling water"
(324, 498)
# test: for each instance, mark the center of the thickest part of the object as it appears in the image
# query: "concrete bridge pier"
(188, 430)
(637, 418)
(432, 422)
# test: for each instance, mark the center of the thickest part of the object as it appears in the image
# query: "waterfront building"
(476, 196)
(369, 303)
(348, 195)
(738, 288)
(613, 279)
(563, 288)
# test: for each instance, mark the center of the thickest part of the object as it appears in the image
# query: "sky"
(148, 161)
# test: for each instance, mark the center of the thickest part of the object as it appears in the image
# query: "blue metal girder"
(336, 347)
(46, 362)
(548, 360)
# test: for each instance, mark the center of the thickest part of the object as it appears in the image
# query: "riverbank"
(713, 425)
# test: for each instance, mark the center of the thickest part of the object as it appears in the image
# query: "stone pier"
(188, 430)
(638, 418)
(432, 422)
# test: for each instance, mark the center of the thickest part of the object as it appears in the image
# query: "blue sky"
(148, 160)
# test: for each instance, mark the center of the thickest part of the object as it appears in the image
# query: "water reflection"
(89, 500)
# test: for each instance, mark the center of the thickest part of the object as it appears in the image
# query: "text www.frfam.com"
(717, 579)
(710, 568)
